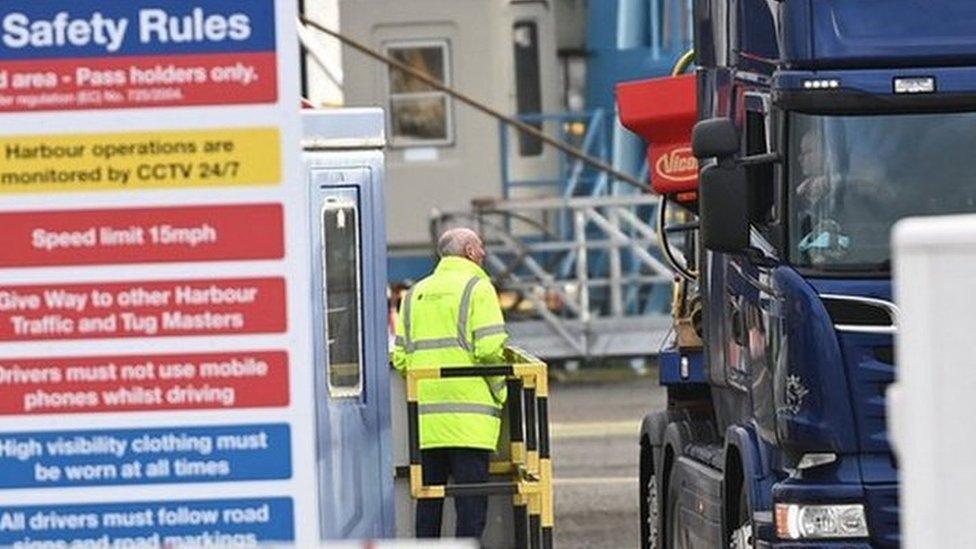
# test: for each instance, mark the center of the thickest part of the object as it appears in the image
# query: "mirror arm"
(760, 159)
(759, 258)
(683, 227)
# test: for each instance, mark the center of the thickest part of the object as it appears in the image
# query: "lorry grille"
(872, 368)
(883, 515)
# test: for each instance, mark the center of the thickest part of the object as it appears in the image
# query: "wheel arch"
(654, 425)
(744, 467)
(659, 457)
(732, 483)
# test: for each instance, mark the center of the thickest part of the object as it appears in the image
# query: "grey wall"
(448, 177)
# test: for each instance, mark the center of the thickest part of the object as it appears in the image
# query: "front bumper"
(883, 516)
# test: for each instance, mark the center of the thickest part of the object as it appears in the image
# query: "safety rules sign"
(155, 370)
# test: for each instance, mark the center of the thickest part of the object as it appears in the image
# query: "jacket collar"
(453, 263)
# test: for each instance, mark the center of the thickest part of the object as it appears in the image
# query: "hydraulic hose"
(683, 62)
(680, 66)
(682, 270)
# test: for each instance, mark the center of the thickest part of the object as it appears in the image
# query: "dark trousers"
(465, 466)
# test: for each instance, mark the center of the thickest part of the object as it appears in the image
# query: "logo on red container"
(677, 165)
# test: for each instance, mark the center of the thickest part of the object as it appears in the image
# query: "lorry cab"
(822, 123)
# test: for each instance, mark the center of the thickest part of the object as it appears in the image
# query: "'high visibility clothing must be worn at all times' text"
(452, 319)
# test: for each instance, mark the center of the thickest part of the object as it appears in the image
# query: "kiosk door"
(352, 391)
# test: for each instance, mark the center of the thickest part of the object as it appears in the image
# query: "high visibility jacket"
(452, 318)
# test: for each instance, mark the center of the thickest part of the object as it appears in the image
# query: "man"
(452, 318)
(841, 201)
(815, 184)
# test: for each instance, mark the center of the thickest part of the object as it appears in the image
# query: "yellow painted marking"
(425, 372)
(548, 507)
(542, 382)
(532, 461)
(416, 478)
(594, 429)
(594, 481)
(431, 492)
(517, 451)
(500, 467)
(140, 160)
(412, 393)
(535, 504)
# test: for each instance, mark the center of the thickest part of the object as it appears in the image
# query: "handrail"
(550, 116)
(591, 145)
(592, 129)
(530, 460)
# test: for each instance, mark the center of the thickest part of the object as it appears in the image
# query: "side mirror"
(715, 137)
(724, 203)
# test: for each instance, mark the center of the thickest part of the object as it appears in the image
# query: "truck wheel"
(742, 534)
(674, 535)
(649, 505)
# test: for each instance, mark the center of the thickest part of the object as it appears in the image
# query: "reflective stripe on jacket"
(451, 319)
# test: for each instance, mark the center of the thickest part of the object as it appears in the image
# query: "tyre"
(741, 537)
(650, 510)
(675, 536)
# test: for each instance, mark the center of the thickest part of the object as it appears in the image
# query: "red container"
(663, 112)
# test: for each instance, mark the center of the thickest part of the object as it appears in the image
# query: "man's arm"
(489, 334)
(487, 325)
(399, 355)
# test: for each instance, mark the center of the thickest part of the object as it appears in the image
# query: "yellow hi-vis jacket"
(452, 318)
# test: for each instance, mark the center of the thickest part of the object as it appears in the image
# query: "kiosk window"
(341, 259)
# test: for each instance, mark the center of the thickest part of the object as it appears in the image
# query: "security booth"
(364, 428)
(343, 162)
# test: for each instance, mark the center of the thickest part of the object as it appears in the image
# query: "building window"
(420, 114)
(344, 326)
(528, 92)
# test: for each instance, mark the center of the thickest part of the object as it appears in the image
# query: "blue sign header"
(45, 29)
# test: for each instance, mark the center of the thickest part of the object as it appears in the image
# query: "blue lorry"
(820, 123)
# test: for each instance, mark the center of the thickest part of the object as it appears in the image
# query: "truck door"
(757, 305)
(349, 298)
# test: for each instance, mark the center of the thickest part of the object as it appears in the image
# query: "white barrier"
(932, 407)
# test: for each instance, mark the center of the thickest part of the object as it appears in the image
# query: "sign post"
(155, 360)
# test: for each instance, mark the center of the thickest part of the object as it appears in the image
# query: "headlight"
(820, 521)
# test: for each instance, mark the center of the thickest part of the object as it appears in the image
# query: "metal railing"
(529, 466)
(570, 176)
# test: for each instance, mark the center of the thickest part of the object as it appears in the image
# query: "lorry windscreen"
(852, 177)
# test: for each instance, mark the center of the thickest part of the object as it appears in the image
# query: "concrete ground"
(595, 425)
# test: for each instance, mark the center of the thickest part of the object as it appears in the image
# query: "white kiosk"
(932, 404)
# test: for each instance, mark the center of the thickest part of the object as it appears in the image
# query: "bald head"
(461, 242)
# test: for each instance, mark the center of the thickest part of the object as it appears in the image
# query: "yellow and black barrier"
(529, 465)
